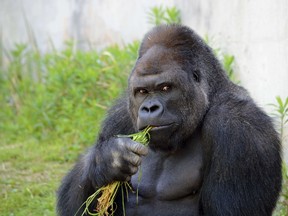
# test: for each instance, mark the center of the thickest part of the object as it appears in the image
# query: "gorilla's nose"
(151, 109)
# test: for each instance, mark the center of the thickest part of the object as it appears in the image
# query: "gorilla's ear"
(196, 75)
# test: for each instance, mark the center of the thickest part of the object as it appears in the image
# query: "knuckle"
(134, 170)
(124, 143)
(138, 146)
(137, 161)
(141, 149)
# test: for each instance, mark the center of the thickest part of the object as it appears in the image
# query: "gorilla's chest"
(167, 177)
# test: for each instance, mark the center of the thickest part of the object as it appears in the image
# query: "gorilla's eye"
(196, 76)
(165, 88)
(142, 91)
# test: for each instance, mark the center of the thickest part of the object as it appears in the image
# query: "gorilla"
(212, 150)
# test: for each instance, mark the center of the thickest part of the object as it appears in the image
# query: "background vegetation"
(52, 106)
(51, 109)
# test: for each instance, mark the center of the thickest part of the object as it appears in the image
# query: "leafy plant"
(227, 62)
(159, 15)
(281, 114)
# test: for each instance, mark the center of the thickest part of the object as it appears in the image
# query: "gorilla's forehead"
(156, 60)
(165, 74)
(158, 65)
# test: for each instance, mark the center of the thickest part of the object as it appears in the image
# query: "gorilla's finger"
(136, 161)
(133, 170)
(137, 148)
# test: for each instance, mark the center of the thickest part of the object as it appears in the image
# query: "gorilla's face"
(164, 95)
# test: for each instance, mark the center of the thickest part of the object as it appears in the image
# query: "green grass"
(29, 178)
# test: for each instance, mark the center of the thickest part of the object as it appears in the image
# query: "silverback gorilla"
(212, 151)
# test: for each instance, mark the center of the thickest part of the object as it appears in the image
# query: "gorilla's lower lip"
(159, 127)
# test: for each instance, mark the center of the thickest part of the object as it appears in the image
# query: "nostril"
(154, 108)
(145, 109)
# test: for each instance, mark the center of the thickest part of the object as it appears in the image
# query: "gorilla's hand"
(116, 160)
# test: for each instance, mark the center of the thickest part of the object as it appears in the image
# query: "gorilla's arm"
(108, 160)
(244, 160)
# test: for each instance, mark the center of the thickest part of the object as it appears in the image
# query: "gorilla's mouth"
(157, 127)
(160, 127)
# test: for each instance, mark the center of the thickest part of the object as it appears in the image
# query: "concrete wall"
(256, 32)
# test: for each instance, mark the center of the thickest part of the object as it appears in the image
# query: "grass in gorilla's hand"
(108, 192)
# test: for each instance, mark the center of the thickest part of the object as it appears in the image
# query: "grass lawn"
(30, 174)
